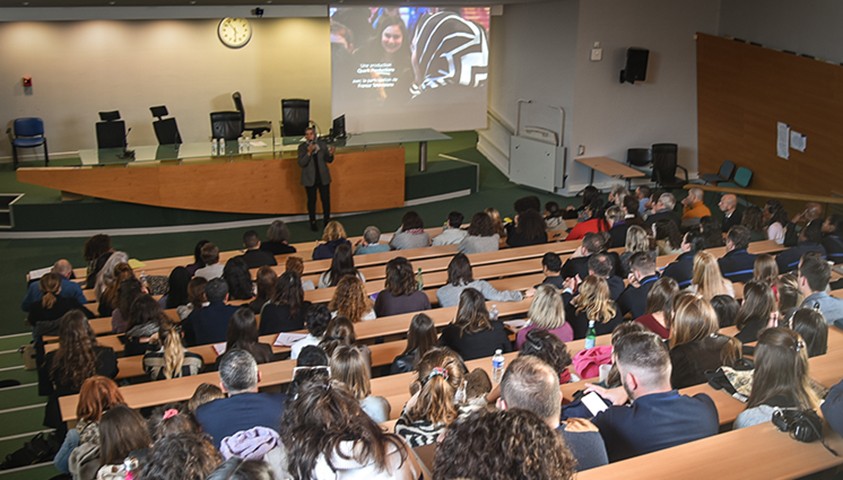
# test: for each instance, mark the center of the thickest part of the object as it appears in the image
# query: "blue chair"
(727, 169)
(742, 178)
(29, 133)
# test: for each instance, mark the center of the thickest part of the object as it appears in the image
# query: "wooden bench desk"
(610, 167)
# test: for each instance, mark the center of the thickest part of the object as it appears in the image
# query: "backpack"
(42, 448)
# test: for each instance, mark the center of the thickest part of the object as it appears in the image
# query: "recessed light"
(25, 4)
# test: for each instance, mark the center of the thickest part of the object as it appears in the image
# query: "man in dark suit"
(682, 269)
(603, 265)
(577, 264)
(663, 210)
(659, 417)
(209, 324)
(642, 276)
(810, 239)
(732, 216)
(314, 157)
(254, 256)
(737, 265)
(244, 407)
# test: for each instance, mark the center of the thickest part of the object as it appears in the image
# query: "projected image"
(407, 67)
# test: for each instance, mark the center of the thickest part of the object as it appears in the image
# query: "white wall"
(811, 28)
(610, 117)
(80, 68)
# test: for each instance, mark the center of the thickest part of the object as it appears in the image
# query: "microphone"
(127, 154)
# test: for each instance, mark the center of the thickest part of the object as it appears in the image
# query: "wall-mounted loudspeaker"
(636, 65)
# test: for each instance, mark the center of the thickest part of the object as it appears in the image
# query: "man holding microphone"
(314, 157)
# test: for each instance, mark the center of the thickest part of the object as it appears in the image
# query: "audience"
(592, 303)
(342, 264)
(667, 238)
(109, 278)
(695, 345)
(350, 301)
(658, 417)
(296, 265)
(128, 291)
(209, 324)
(737, 264)
(548, 348)
(177, 292)
(682, 269)
(814, 274)
(266, 279)
(255, 256)
(766, 270)
(316, 320)
(286, 311)
(401, 292)
(243, 334)
(832, 230)
(67, 289)
(197, 257)
(333, 236)
(603, 265)
(169, 358)
(775, 218)
(370, 243)
(497, 222)
(731, 214)
(693, 208)
(781, 378)
(460, 277)
(196, 298)
(340, 331)
(96, 251)
(812, 327)
(528, 229)
(707, 280)
(244, 407)
(659, 311)
(757, 312)
(52, 305)
(591, 221)
(421, 338)
(810, 239)
(211, 260)
(663, 210)
(186, 456)
(637, 240)
(411, 234)
(813, 212)
(552, 270)
(641, 277)
(236, 275)
(832, 408)
(481, 235)
(532, 385)
(124, 441)
(788, 293)
(592, 244)
(473, 334)
(726, 308)
(452, 232)
(547, 312)
(753, 220)
(618, 226)
(350, 366)
(277, 239)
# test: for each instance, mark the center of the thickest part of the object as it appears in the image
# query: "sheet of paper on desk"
(220, 348)
(286, 339)
(257, 143)
(37, 274)
(516, 324)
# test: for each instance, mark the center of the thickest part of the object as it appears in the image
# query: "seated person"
(832, 407)
(577, 263)
(244, 407)
(531, 384)
(814, 275)
(757, 312)
(592, 223)
(810, 239)
(737, 264)
(812, 327)
(547, 312)
(411, 234)
(473, 334)
(693, 208)
(660, 307)
(732, 215)
(370, 243)
(553, 216)
(481, 235)
(813, 211)
(643, 274)
(591, 304)
(452, 233)
(213, 268)
(461, 277)
(209, 324)
(552, 270)
(663, 210)
(277, 239)
(333, 236)
(254, 256)
(68, 289)
(618, 226)
(833, 237)
(603, 265)
(401, 293)
(528, 229)
(658, 417)
(682, 269)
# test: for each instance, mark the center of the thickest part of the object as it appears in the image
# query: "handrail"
(802, 197)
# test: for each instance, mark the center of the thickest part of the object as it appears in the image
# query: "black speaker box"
(636, 65)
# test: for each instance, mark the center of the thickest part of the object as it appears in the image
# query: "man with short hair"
(732, 216)
(693, 208)
(552, 270)
(737, 264)
(603, 266)
(69, 289)
(833, 238)
(642, 276)
(810, 239)
(209, 324)
(813, 211)
(254, 256)
(452, 233)
(577, 263)
(244, 407)
(813, 276)
(210, 255)
(370, 242)
(642, 193)
(663, 210)
(682, 269)
(658, 417)
(531, 384)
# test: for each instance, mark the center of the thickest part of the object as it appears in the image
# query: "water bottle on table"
(497, 366)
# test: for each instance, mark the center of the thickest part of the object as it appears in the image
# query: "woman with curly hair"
(502, 445)
(287, 309)
(350, 301)
(401, 293)
(342, 264)
(483, 235)
(327, 435)
(593, 303)
(473, 334)
(186, 456)
(78, 358)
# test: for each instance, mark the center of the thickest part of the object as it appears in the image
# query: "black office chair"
(258, 127)
(295, 116)
(111, 130)
(226, 125)
(166, 129)
(665, 164)
(640, 159)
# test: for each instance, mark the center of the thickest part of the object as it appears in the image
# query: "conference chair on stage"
(295, 116)
(226, 125)
(258, 127)
(111, 130)
(28, 133)
(666, 164)
(166, 129)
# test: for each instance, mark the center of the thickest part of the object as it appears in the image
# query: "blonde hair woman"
(350, 300)
(333, 236)
(637, 240)
(547, 312)
(695, 345)
(707, 280)
(350, 365)
(171, 360)
(593, 303)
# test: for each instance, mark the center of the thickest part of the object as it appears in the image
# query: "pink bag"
(587, 362)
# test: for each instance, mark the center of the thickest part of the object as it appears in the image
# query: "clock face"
(234, 32)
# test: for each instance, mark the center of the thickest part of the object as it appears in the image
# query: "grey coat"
(309, 164)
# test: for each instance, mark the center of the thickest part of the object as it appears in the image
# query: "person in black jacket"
(732, 215)
(254, 255)
(833, 238)
(528, 229)
(591, 302)
(737, 264)
(603, 265)
(286, 311)
(809, 241)
(682, 269)
(577, 263)
(473, 334)
(617, 226)
(633, 300)
(421, 337)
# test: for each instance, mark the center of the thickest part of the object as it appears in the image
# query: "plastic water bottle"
(241, 145)
(590, 335)
(494, 313)
(215, 148)
(497, 366)
(419, 279)
(221, 148)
